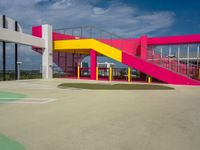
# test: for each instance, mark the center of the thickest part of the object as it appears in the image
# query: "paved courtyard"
(77, 119)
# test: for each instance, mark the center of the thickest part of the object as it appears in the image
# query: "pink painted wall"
(143, 47)
(59, 36)
(184, 39)
(37, 31)
(126, 45)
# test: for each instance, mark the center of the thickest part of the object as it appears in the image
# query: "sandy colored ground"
(102, 120)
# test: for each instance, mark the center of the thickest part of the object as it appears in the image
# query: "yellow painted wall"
(85, 45)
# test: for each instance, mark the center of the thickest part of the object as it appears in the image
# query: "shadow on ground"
(114, 86)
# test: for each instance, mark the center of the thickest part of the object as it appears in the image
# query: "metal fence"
(24, 74)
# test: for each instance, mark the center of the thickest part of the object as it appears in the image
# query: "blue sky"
(186, 13)
(127, 18)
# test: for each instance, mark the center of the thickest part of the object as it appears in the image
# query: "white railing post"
(178, 58)
(188, 60)
(161, 56)
(169, 55)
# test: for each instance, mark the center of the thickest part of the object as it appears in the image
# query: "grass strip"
(115, 86)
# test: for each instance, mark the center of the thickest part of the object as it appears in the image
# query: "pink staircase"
(156, 71)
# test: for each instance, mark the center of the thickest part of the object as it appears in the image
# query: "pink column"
(143, 47)
(93, 64)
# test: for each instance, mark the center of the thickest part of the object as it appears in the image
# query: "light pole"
(18, 69)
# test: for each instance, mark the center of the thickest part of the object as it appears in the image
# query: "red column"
(143, 47)
(93, 64)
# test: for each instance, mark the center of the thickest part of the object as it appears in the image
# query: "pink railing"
(173, 64)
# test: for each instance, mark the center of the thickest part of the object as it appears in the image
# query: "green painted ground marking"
(115, 86)
(9, 96)
(7, 143)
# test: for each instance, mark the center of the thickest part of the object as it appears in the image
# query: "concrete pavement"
(102, 119)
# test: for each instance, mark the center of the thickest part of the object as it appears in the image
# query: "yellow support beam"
(97, 73)
(129, 74)
(83, 45)
(78, 72)
(110, 74)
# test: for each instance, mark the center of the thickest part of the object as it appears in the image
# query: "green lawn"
(7, 143)
(115, 86)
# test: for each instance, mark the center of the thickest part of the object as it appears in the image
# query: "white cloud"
(99, 11)
(118, 17)
(39, 1)
(62, 4)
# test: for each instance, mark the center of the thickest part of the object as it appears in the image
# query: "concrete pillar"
(143, 51)
(47, 55)
(93, 64)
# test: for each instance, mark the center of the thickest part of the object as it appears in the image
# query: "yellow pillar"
(97, 73)
(78, 72)
(129, 74)
(199, 74)
(110, 74)
(149, 79)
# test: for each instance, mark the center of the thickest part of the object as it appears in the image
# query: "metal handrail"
(82, 27)
(110, 34)
(173, 70)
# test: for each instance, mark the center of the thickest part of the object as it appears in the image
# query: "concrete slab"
(102, 119)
